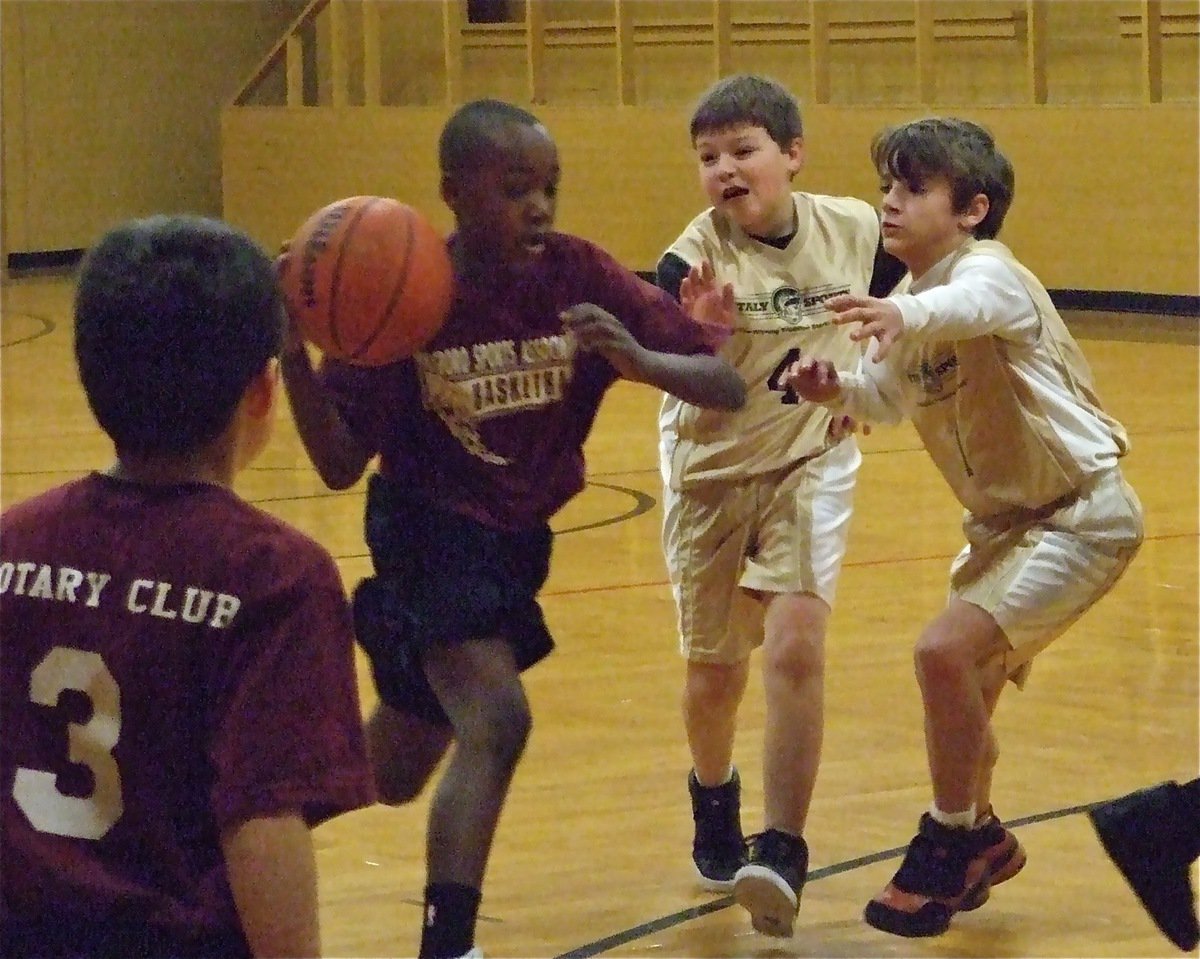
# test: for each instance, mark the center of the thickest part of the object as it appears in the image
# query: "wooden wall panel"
(1106, 196)
(14, 229)
(119, 107)
(411, 52)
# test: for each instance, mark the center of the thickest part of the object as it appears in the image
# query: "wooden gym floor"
(592, 857)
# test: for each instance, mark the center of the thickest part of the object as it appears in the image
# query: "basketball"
(367, 279)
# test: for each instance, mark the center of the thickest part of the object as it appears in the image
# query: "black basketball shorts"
(441, 577)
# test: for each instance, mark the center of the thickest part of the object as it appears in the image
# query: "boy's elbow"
(737, 392)
(339, 475)
(337, 480)
(730, 389)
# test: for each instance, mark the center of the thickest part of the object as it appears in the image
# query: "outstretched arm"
(699, 379)
(863, 397)
(983, 297)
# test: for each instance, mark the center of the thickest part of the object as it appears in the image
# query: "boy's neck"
(784, 223)
(479, 260)
(172, 470)
(921, 264)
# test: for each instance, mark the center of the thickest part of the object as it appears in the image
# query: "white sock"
(728, 778)
(955, 820)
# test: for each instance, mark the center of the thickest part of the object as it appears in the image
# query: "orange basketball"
(368, 279)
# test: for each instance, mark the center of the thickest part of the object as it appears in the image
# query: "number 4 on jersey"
(773, 381)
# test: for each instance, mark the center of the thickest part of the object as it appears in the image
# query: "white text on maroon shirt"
(149, 597)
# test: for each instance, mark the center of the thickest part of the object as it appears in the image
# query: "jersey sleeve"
(982, 298)
(656, 320)
(670, 273)
(287, 730)
(872, 393)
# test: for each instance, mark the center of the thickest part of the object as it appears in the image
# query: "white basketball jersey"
(780, 296)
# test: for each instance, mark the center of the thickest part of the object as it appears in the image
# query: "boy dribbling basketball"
(480, 438)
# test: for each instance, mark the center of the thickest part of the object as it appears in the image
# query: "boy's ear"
(261, 392)
(795, 155)
(449, 190)
(976, 210)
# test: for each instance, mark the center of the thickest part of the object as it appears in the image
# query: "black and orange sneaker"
(942, 870)
(718, 847)
(769, 885)
(1004, 854)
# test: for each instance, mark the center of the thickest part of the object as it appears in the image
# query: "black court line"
(47, 326)
(626, 936)
(642, 503)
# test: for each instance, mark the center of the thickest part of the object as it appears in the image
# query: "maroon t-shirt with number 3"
(173, 662)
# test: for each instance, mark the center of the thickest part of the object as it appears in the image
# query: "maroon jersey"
(490, 418)
(173, 661)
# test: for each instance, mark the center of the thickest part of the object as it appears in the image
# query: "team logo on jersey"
(936, 375)
(787, 302)
(805, 308)
(465, 386)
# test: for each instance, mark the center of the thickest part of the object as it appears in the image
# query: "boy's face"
(748, 177)
(919, 224)
(505, 207)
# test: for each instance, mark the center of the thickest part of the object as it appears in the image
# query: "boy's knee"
(499, 728)
(398, 788)
(939, 657)
(796, 652)
(713, 686)
(404, 751)
(794, 640)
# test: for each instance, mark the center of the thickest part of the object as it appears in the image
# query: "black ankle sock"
(450, 911)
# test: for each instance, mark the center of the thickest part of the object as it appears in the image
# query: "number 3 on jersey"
(90, 744)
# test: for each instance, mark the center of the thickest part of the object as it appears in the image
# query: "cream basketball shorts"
(728, 542)
(1037, 571)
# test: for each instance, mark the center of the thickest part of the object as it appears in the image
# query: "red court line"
(859, 564)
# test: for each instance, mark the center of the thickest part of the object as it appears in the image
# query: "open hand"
(813, 379)
(705, 301)
(598, 331)
(880, 319)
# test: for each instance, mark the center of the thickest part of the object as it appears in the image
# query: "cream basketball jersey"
(780, 296)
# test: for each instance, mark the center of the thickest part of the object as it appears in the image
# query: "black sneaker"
(769, 885)
(1143, 834)
(944, 871)
(718, 849)
(1004, 854)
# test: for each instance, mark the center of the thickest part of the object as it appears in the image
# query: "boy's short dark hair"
(746, 98)
(471, 128)
(174, 315)
(959, 150)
